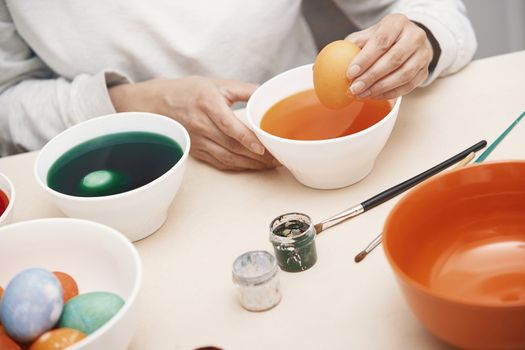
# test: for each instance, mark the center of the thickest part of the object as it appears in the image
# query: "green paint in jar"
(293, 238)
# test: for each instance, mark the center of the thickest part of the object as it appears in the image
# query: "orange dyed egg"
(7, 343)
(1, 292)
(57, 339)
(69, 286)
(2, 330)
(330, 81)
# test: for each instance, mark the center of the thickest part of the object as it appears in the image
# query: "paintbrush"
(395, 190)
(377, 241)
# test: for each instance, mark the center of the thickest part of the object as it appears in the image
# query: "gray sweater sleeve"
(35, 105)
(445, 19)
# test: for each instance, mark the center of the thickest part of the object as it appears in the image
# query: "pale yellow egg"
(330, 81)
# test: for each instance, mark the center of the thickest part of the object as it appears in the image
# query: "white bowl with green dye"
(136, 213)
(98, 257)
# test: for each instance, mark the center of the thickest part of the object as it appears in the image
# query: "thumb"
(237, 91)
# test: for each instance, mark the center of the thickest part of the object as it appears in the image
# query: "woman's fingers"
(382, 39)
(405, 88)
(212, 132)
(232, 160)
(403, 75)
(235, 147)
(386, 64)
(219, 134)
(207, 158)
(266, 158)
(361, 37)
(393, 56)
(220, 113)
(203, 148)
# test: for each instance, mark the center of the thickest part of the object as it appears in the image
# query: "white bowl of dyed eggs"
(122, 170)
(7, 200)
(322, 148)
(105, 266)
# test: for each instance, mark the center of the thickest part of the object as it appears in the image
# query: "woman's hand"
(202, 105)
(394, 58)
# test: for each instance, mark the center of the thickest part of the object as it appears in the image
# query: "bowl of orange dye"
(456, 244)
(323, 148)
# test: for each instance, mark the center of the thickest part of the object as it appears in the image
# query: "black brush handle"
(403, 186)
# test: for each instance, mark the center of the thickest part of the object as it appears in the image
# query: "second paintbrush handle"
(377, 241)
(405, 185)
(394, 191)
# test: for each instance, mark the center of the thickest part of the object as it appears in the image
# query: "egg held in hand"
(330, 81)
(31, 304)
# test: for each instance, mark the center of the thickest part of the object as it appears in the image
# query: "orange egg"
(57, 339)
(69, 286)
(2, 330)
(7, 343)
(330, 81)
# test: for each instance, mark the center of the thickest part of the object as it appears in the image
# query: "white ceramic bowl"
(137, 213)
(98, 257)
(323, 164)
(7, 187)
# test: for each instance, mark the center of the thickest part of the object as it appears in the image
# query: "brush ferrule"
(377, 241)
(339, 217)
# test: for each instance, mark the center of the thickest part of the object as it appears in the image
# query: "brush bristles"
(359, 257)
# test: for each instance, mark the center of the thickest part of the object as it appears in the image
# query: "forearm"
(35, 105)
(33, 111)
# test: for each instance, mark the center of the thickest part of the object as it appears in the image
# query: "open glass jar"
(256, 275)
(293, 238)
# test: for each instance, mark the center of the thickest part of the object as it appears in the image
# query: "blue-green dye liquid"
(114, 163)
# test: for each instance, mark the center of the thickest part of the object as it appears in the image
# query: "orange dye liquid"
(478, 250)
(302, 117)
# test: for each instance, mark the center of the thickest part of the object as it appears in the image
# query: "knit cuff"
(446, 40)
(93, 95)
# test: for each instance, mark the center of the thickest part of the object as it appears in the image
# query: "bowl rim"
(129, 302)
(11, 197)
(407, 279)
(143, 188)
(257, 128)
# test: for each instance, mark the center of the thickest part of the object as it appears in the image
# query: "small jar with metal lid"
(256, 275)
(293, 238)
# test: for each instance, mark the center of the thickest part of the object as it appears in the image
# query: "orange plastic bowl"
(456, 244)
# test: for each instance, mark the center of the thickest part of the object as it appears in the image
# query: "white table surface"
(187, 298)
